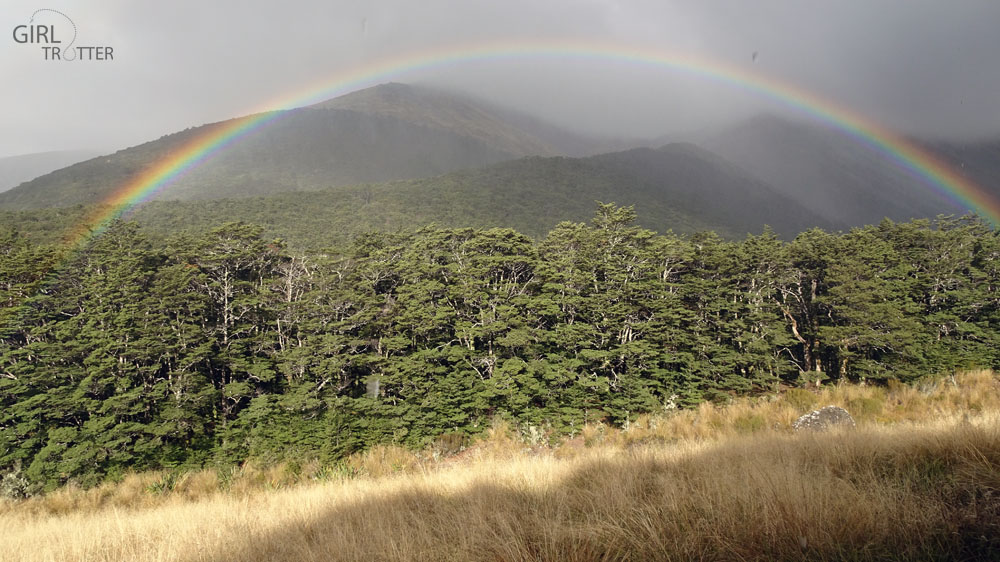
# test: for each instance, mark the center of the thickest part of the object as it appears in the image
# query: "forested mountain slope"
(15, 170)
(678, 187)
(384, 133)
(503, 128)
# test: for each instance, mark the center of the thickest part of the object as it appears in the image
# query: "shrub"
(864, 407)
(749, 423)
(801, 399)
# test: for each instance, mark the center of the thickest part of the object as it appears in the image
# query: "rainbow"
(915, 160)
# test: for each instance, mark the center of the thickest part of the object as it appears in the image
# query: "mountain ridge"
(353, 139)
(20, 168)
(765, 170)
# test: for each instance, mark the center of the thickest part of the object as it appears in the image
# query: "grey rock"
(824, 419)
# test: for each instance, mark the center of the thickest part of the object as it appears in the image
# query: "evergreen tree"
(122, 354)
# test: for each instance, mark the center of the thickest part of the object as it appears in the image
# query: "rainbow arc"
(920, 163)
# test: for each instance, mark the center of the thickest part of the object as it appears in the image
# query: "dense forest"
(678, 187)
(123, 354)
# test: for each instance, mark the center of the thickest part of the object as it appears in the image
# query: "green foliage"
(327, 202)
(865, 407)
(801, 399)
(749, 423)
(218, 348)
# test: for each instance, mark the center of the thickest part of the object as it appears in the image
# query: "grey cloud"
(923, 67)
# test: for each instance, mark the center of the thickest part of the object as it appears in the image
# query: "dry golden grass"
(919, 479)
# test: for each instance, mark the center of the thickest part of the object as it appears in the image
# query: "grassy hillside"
(917, 480)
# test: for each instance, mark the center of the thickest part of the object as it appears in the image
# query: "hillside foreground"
(918, 479)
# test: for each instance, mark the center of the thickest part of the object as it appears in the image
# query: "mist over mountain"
(702, 184)
(398, 156)
(384, 133)
(678, 187)
(844, 180)
(307, 149)
(513, 131)
(15, 170)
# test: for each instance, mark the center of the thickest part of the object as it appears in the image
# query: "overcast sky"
(919, 66)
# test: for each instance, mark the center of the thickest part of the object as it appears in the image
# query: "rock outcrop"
(824, 419)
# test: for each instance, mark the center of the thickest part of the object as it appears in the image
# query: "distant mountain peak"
(374, 98)
(443, 110)
(391, 131)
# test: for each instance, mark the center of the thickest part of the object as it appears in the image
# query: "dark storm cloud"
(922, 67)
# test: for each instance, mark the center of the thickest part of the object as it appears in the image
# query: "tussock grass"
(919, 479)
